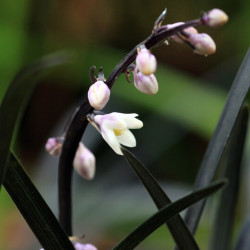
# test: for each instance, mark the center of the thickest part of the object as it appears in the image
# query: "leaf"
(18, 91)
(220, 137)
(222, 230)
(244, 239)
(33, 208)
(164, 214)
(177, 226)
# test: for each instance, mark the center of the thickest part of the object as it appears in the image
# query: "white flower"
(145, 84)
(84, 162)
(114, 128)
(146, 62)
(98, 95)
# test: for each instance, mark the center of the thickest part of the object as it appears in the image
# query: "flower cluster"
(201, 43)
(115, 127)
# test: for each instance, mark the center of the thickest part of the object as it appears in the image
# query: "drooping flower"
(54, 145)
(114, 128)
(98, 95)
(215, 18)
(84, 162)
(145, 84)
(203, 44)
(146, 61)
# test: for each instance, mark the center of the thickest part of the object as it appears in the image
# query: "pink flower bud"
(145, 84)
(189, 30)
(146, 62)
(203, 44)
(98, 95)
(79, 246)
(54, 146)
(215, 18)
(84, 162)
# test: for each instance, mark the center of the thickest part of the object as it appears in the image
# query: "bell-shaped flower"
(203, 44)
(215, 18)
(145, 84)
(146, 62)
(114, 128)
(98, 95)
(54, 146)
(84, 162)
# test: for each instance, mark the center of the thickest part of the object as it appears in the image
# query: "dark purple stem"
(79, 123)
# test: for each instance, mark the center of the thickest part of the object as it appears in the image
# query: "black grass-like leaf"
(177, 226)
(244, 239)
(166, 213)
(20, 88)
(220, 137)
(34, 209)
(223, 226)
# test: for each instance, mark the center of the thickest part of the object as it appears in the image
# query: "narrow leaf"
(220, 137)
(34, 209)
(177, 226)
(19, 89)
(222, 233)
(166, 213)
(244, 239)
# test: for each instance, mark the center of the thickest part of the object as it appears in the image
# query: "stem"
(79, 123)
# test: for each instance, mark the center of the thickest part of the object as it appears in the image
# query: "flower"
(215, 18)
(145, 61)
(203, 44)
(98, 95)
(79, 246)
(84, 162)
(114, 128)
(177, 38)
(145, 84)
(54, 145)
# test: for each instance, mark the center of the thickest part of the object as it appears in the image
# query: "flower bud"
(54, 146)
(146, 62)
(189, 30)
(203, 44)
(145, 84)
(98, 95)
(84, 162)
(215, 18)
(80, 246)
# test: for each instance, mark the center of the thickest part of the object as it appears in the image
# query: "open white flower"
(114, 128)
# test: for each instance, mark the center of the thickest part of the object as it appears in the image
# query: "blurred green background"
(178, 121)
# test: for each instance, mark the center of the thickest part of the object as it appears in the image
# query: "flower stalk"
(79, 122)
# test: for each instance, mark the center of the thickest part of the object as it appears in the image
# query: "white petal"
(127, 138)
(109, 136)
(130, 120)
(110, 121)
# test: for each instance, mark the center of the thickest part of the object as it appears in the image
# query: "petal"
(130, 120)
(109, 136)
(110, 121)
(127, 138)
